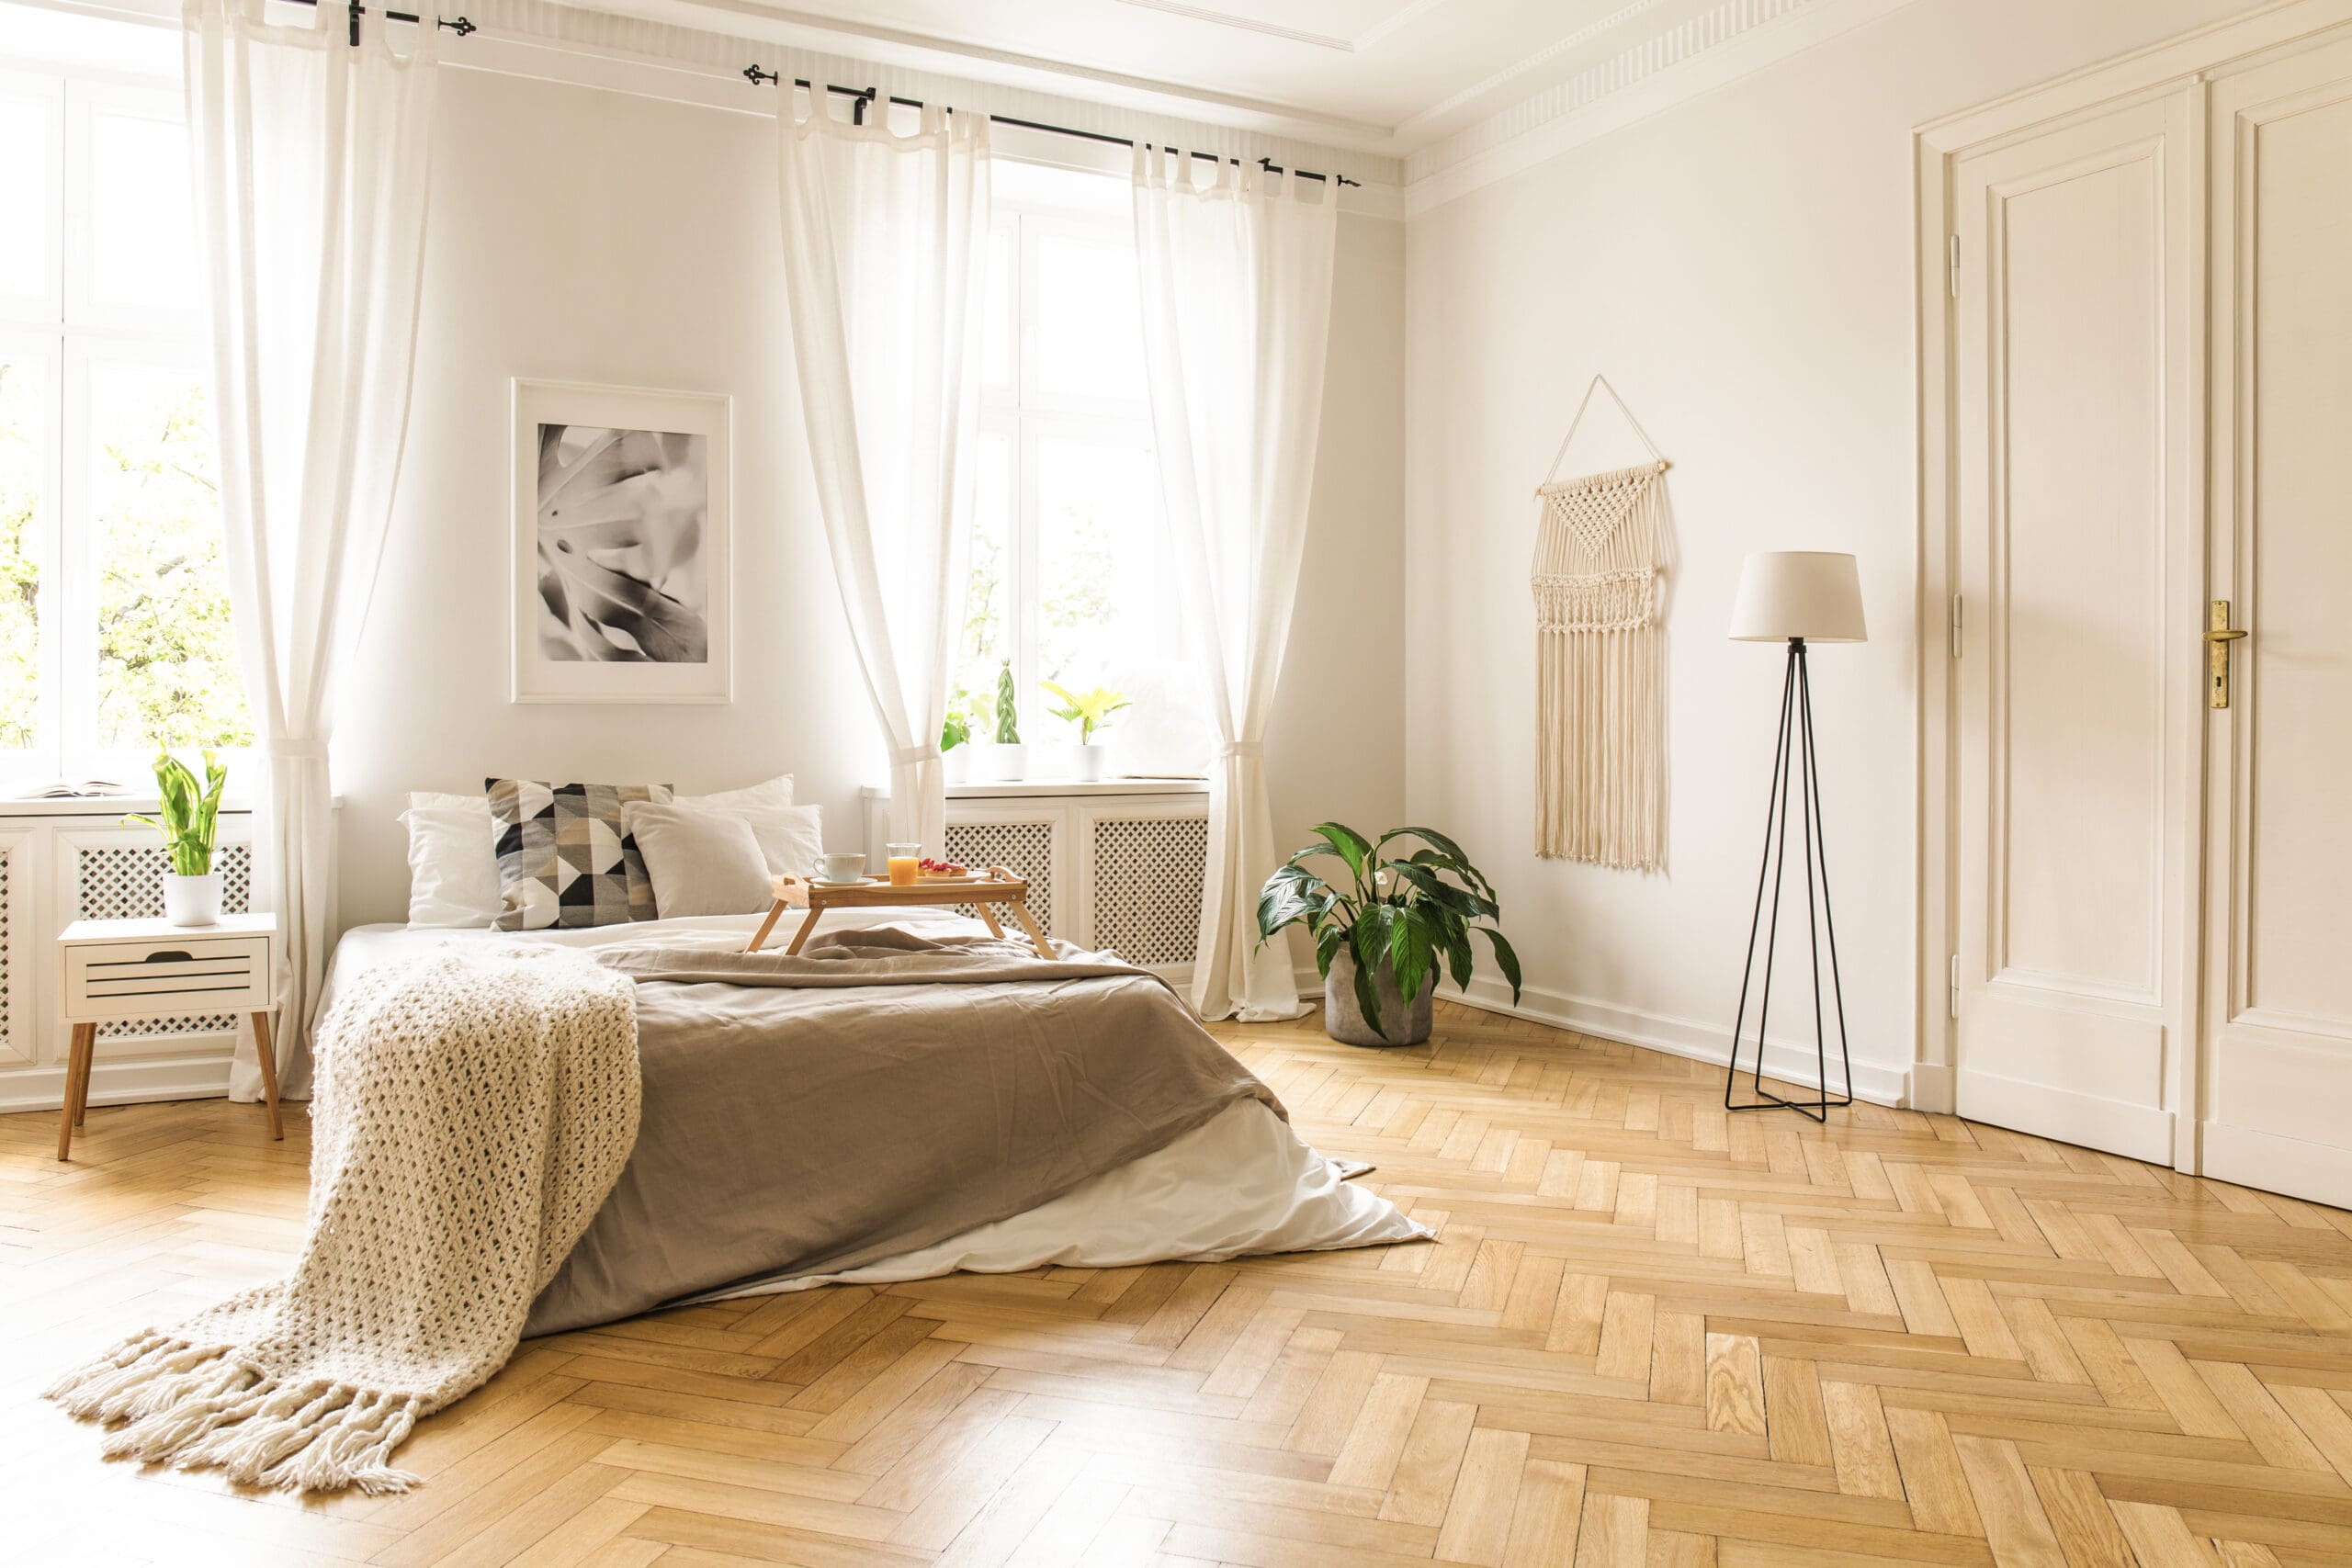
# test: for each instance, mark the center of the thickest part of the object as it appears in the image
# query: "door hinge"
(1954, 625)
(1955, 985)
(1952, 251)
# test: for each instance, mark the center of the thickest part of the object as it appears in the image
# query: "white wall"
(586, 235)
(1741, 266)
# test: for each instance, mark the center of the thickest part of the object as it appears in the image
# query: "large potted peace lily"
(1383, 937)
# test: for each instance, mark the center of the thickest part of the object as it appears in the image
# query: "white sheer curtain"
(311, 164)
(1237, 310)
(885, 255)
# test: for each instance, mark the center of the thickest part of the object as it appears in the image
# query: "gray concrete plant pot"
(1343, 1020)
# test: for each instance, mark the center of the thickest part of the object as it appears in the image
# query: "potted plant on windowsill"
(1379, 945)
(954, 737)
(1005, 758)
(190, 818)
(1088, 711)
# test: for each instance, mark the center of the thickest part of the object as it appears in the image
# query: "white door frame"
(2180, 64)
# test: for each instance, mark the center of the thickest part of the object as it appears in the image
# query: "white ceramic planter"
(1087, 761)
(192, 900)
(958, 761)
(995, 763)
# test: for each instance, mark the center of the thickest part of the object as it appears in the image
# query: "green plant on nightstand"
(188, 816)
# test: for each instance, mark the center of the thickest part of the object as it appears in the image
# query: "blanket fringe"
(194, 1406)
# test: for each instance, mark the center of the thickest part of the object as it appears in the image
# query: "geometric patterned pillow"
(564, 856)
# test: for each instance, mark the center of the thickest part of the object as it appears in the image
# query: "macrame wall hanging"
(1600, 673)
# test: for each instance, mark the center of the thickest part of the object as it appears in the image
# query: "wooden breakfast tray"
(995, 886)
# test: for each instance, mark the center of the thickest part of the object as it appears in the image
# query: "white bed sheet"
(1244, 1183)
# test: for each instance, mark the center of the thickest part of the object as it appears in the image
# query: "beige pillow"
(702, 863)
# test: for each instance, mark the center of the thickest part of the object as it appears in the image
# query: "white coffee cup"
(849, 866)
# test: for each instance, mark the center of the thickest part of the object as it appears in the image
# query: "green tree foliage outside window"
(167, 649)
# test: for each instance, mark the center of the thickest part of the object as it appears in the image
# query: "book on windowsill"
(74, 789)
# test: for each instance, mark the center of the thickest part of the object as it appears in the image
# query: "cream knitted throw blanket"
(473, 1106)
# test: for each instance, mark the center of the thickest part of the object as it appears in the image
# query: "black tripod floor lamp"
(1797, 597)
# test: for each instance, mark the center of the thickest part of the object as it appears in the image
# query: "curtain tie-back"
(1242, 749)
(288, 747)
(915, 754)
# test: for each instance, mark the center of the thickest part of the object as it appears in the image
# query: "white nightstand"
(117, 969)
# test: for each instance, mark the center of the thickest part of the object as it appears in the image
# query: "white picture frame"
(635, 601)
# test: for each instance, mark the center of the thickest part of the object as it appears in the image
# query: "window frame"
(73, 336)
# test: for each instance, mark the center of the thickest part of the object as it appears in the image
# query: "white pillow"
(701, 863)
(791, 838)
(452, 861)
(769, 796)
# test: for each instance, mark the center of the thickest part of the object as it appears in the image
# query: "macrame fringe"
(1600, 709)
(196, 1407)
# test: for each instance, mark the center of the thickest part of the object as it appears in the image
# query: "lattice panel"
(1026, 847)
(125, 883)
(1147, 875)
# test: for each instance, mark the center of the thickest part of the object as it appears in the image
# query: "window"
(1070, 576)
(115, 634)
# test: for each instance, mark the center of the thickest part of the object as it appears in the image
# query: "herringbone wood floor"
(1649, 1334)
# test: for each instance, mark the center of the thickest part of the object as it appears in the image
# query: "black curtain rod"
(460, 26)
(866, 95)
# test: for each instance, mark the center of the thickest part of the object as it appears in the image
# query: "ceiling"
(1388, 76)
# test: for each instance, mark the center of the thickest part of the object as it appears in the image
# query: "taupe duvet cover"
(880, 1092)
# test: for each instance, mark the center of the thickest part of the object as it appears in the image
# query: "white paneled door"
(2277, 1086)
(2078, 537)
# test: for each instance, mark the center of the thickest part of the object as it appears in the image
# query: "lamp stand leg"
(1796, 770)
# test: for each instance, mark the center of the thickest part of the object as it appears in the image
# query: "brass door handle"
(2218, 637)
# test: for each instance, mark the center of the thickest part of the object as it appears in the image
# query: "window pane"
(1090, 328)
(167, 656)
(1102, 598)
(987, 600)
(25, 231)
(143, 236)
(23, 391)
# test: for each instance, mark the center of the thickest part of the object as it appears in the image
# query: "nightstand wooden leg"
(82, 1079)
(266, 1052)
(77, 1086)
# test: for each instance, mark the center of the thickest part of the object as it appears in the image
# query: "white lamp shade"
(1814, 594)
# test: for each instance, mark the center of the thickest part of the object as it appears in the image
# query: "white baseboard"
(2320, 1172)
(2143, 1132)
(1786, 1060)
(1790, 1061)
(1932, 1088)
(192, 1077)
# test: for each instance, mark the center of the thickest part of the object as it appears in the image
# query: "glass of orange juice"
(905, 861)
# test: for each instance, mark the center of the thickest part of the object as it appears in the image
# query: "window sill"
(1033, 789)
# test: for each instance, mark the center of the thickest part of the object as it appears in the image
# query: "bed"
(918, 1109)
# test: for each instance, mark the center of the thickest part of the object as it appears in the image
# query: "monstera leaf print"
(621, 570)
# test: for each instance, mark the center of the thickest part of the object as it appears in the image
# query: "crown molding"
(1729, 41)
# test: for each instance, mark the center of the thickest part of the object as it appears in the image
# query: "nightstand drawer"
(173, 975)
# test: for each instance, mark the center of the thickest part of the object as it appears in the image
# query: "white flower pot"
(994, 763)
(192, 900)
(1087, 761)
(958, 763)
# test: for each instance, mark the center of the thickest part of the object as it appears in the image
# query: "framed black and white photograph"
(623, 575)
